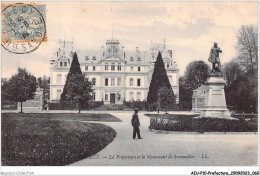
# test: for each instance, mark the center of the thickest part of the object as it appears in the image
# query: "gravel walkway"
(173, 149)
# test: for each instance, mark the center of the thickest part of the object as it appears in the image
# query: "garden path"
(198, 149)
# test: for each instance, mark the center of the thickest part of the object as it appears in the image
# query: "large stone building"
(117, 74)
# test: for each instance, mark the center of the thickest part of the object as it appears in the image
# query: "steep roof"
(89, 56)
(136, 58)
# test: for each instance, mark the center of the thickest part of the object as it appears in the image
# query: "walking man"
(136, 124)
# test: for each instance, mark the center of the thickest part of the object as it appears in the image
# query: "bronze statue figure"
(214, 57)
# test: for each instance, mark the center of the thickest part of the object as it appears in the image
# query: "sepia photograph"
(120, 83)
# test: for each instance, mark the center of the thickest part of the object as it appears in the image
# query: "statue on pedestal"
(214, 57)
(215, 105)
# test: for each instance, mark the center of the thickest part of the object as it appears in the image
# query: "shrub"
(188, 123)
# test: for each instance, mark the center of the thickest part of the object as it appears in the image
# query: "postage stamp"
(23, 27)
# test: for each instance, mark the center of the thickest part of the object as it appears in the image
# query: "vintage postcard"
(117, 83)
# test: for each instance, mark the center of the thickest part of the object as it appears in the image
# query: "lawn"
(32, 140)
(175, 122)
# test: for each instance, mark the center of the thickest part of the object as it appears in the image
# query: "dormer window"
(94, 58)
(86, 58)
(131, 59)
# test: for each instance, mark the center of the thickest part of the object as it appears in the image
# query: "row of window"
(113, 81)
(63, 64)
(118, 96)
(131, 82)
(94, 57)
(131, 96)
(113, 68)
(132, 59)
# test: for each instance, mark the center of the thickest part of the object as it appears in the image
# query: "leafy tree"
(241, 73)
(165, 98)
(4, 86)
(20, 87)
(185, 95)
(74, 69)
(159, 79)
(195, 75)
(247, 48)
(44, 84)
(240, 88)
(247, 94)
(79, 89)
(76, 88)
(232, 73)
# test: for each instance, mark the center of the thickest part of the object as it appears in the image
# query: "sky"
(189, 29)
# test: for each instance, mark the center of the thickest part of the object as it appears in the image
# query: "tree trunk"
(21, 107)
(79, 106)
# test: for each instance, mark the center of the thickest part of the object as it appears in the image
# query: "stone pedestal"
(215, 101)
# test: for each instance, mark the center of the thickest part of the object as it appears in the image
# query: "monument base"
(215, 101)
(215, 113)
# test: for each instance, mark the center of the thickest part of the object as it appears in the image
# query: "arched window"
(106, 66)
(94, 58)
(138, 59)
(86, 58)
(112, 66)
(131, 59)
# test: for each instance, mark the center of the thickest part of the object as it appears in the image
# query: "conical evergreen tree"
(74, 69)
(159, 80)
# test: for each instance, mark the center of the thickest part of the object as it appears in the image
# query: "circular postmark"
(23, 28)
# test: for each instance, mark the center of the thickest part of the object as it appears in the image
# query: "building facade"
(117, 74)
(199, 97)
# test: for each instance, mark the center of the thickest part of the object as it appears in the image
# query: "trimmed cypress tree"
(159, 80)
(74, 69)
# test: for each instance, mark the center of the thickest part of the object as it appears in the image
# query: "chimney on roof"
(137, 49)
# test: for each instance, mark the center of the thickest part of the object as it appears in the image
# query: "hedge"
(190, 124)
